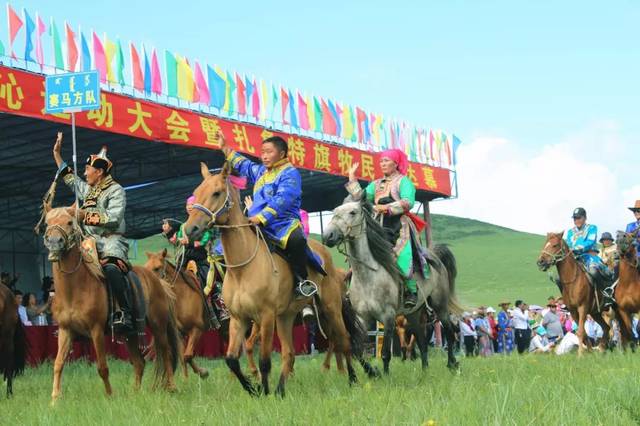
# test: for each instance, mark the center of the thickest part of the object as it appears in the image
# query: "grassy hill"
(494, 263)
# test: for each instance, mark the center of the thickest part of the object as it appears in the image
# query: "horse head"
(624, 244)
(61, 232)
(347, 223)
(156, 262)
(553, 251)
(213, 202)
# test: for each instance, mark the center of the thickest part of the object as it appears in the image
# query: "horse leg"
(137, 360)
(194, 338)
(606, 328)
(626, 334)
(340, 358)
(284, 325)
(416, 327)
(237, 328)
(267, 322)
(582, 315)
(326, 364)
(64, 346)
(164, 358)
(389, 331)
(249, 344)
(97, 337)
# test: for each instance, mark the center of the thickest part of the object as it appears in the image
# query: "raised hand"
(352, 171)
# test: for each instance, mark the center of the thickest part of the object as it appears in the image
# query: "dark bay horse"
(627, 290)
(80, 306)
(577, 294)
(258, 285)
(13, 345)
(189, 306)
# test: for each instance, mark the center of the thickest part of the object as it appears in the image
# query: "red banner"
(22, 93)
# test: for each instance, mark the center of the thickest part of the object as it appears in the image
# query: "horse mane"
(381, 249)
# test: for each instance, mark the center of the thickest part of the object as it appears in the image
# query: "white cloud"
(508, 185)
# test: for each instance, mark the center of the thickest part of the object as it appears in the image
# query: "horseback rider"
(196, 252)
(634, 226)
(101, 216)
(393, 196)
(277, 194)
(581, 240)
(609, 252)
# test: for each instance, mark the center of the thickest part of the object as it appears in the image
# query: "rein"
(347, 236)
(70, 240)
(559, 257)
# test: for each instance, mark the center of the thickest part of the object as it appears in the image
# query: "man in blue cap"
(582, 240)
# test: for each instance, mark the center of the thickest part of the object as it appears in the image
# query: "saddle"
(134, 288)
(313, 259)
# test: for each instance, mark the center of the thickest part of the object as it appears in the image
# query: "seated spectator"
(569, 342)
(593, 330)
(35, 312)
(539, 343)
(467, 329)
(551, 322)
(22, 311)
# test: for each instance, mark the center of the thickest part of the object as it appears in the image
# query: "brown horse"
(189, 307)
(81, 306)
(577, 294)
(258, 285)
(627, 290)
(13, 346)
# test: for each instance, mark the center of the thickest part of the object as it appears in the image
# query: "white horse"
(376, 283)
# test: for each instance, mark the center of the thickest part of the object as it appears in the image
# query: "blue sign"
(72, 92)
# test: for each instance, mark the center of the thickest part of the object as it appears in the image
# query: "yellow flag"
(110, 53)
(185, 80)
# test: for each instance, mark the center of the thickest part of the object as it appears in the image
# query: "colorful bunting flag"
(292, 110)
(284, 105)
(217, 87)
(329, 126)
(310, 111)
(110, 49)
(1, 48)
(30, 28)
(303, 114)
(204, 96)
(146, 76)
(99, 57)
(41, 28)
(72, 48)
(137, 78)
(264, 101)
(156, 77)
(242, 96)
(348, 130)
(255, 100)
(120, 64)
(171, 74)
(57, 46)
(86, 53)
(230, 99)
(186, 83)
(317, 116)
(456, 145)
(336, 111)
(15, 23)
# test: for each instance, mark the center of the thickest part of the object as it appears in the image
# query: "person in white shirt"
(539, 343)
(469, 335)
(521, 326)
(593, 330)
(569, 342)
(22, 311)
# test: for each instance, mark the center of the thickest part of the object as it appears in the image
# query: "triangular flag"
(15, 23)
(57, 46)
(156, 77)
(72, 48)
(217, 87)
(136, 69)
(41, 28)
(30, 28)
(99, 57)
(204, 96)
(86, 53)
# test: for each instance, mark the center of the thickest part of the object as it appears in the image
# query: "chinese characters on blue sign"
(72, 92)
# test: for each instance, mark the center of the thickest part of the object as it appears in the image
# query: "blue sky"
(534, 74)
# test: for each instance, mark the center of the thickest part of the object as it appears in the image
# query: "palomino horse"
(376, 281)
(627, 290)
(577, 294)
(258, 285)
(12, 339)
(81, 306)
(189, 305)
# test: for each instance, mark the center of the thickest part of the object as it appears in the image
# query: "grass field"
(494, 263)
(530, 389)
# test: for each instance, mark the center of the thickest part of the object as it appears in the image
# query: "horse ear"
(71, 210)
(164, 253)
(225, 169)
(149, 255)
(204, 170)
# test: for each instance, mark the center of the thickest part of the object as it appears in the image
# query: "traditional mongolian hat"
(636, 206)
(100, 160)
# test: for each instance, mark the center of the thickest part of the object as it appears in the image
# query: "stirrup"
(307, 288)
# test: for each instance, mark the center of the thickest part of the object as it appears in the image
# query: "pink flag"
(156, 78)
(255, 100)
(303, 115)
(72, 48)
(201, 84)
(40, 29)
(99, 57)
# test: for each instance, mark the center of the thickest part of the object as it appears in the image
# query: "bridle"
(347, 235)
(226, 206)
(559, 257)
(70, 239)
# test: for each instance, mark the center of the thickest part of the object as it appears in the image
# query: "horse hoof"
(204, 374)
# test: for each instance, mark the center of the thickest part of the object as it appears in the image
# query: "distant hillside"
(494, 263)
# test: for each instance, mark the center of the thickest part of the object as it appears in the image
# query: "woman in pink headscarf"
(393, 196)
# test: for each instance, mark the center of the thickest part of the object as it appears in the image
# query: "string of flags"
(166, 76)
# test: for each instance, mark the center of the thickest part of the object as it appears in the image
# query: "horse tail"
(355, 328)
(19, 349)
(173, 340)
(449, 261)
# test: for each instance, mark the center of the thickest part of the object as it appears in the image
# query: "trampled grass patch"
(594, 389)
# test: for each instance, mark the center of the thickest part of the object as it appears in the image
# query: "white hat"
(490, 310)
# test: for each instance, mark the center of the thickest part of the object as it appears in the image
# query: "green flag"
(317, 113)
(57, 46)
(231, 87)
(274, 100)
(120, 66)
(172, 74)
(1, 48)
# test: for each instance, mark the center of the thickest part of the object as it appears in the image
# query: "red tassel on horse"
(417, 221)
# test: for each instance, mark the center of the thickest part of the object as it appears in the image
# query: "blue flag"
(217, 88)
(292, 110)
(86, 54)
(456, 144)
(147, 74)
(30, 27)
